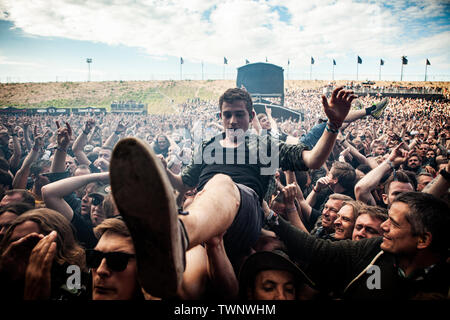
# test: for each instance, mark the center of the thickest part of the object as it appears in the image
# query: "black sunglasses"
(96, 200)
(116, 261)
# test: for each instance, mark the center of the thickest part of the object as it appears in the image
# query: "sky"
(50, 40)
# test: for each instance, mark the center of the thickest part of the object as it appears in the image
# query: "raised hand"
(13, 261)
(38, 272)
(338, 106)
(90, 123)
(63, 135)
(38, 140)
(120, 128)
(398, 155)
(324, 182)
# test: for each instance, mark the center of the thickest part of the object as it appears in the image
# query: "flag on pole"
(289, 62)
(246, 61)
(225, 61)
(181, 61)
(359, 60)
(334, 62)
(428, 63)
(266, 59)
(312, 60)
(381, 62)
(404, 60)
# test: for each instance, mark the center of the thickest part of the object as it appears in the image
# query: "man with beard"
(413, 163)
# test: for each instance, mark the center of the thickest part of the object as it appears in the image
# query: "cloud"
(209, 30)
(6, 61)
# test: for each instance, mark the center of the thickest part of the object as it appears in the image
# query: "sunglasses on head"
(116, 261)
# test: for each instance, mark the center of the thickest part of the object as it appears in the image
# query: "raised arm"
(54, 193)
(439, 186)
(114, 137)
(20, 179)
(17, 150)
(369, 182)
(80, 143)
(336, 110)
(256, 125)
(63, 136)
(305, 208)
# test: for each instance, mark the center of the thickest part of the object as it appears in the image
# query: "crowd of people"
(351, 202)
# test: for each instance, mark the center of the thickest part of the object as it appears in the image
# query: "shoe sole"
(144, 197)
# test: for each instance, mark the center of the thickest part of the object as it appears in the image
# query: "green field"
(161, 96)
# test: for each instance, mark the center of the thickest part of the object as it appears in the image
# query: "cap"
(101, 191)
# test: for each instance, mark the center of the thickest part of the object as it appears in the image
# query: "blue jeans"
(313, 135)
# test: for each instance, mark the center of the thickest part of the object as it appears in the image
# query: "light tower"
(89, 61)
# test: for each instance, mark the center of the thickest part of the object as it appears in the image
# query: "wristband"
(445, 174)
(61, 149)
(86, 132)
(293, 209)
(316, 191)
(332, 128)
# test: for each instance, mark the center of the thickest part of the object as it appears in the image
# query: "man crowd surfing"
(215, 201)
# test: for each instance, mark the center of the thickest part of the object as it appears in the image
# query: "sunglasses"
(116, 261)
(96, 201)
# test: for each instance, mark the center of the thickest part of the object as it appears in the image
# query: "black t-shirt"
(84, 231)
(249, 174)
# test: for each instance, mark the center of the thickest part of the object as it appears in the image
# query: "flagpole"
(357, 70)
(310, 72)
(333, 73)
(401, 74)
(181, 72)
(202, 70)
(426, 67)
(379, 74)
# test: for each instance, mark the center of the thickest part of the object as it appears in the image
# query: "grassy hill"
(161, 96)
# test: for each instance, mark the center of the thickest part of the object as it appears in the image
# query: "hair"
(17, 208)
(414, 154)
(67, 249)
(92, 156)
(109, 206)
(428, 214)
(374, 212)
(27, 196)
(5, 178)
(302, 178)
(37, 166)
(4, 164)
(345, 174)
(356, 207)
(340, 196)
(400, 176)
(424, 173)
(260, 116)
(236, 94)
(364, 168)
(112, 226)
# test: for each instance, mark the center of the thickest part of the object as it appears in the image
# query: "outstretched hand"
(338, 106)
